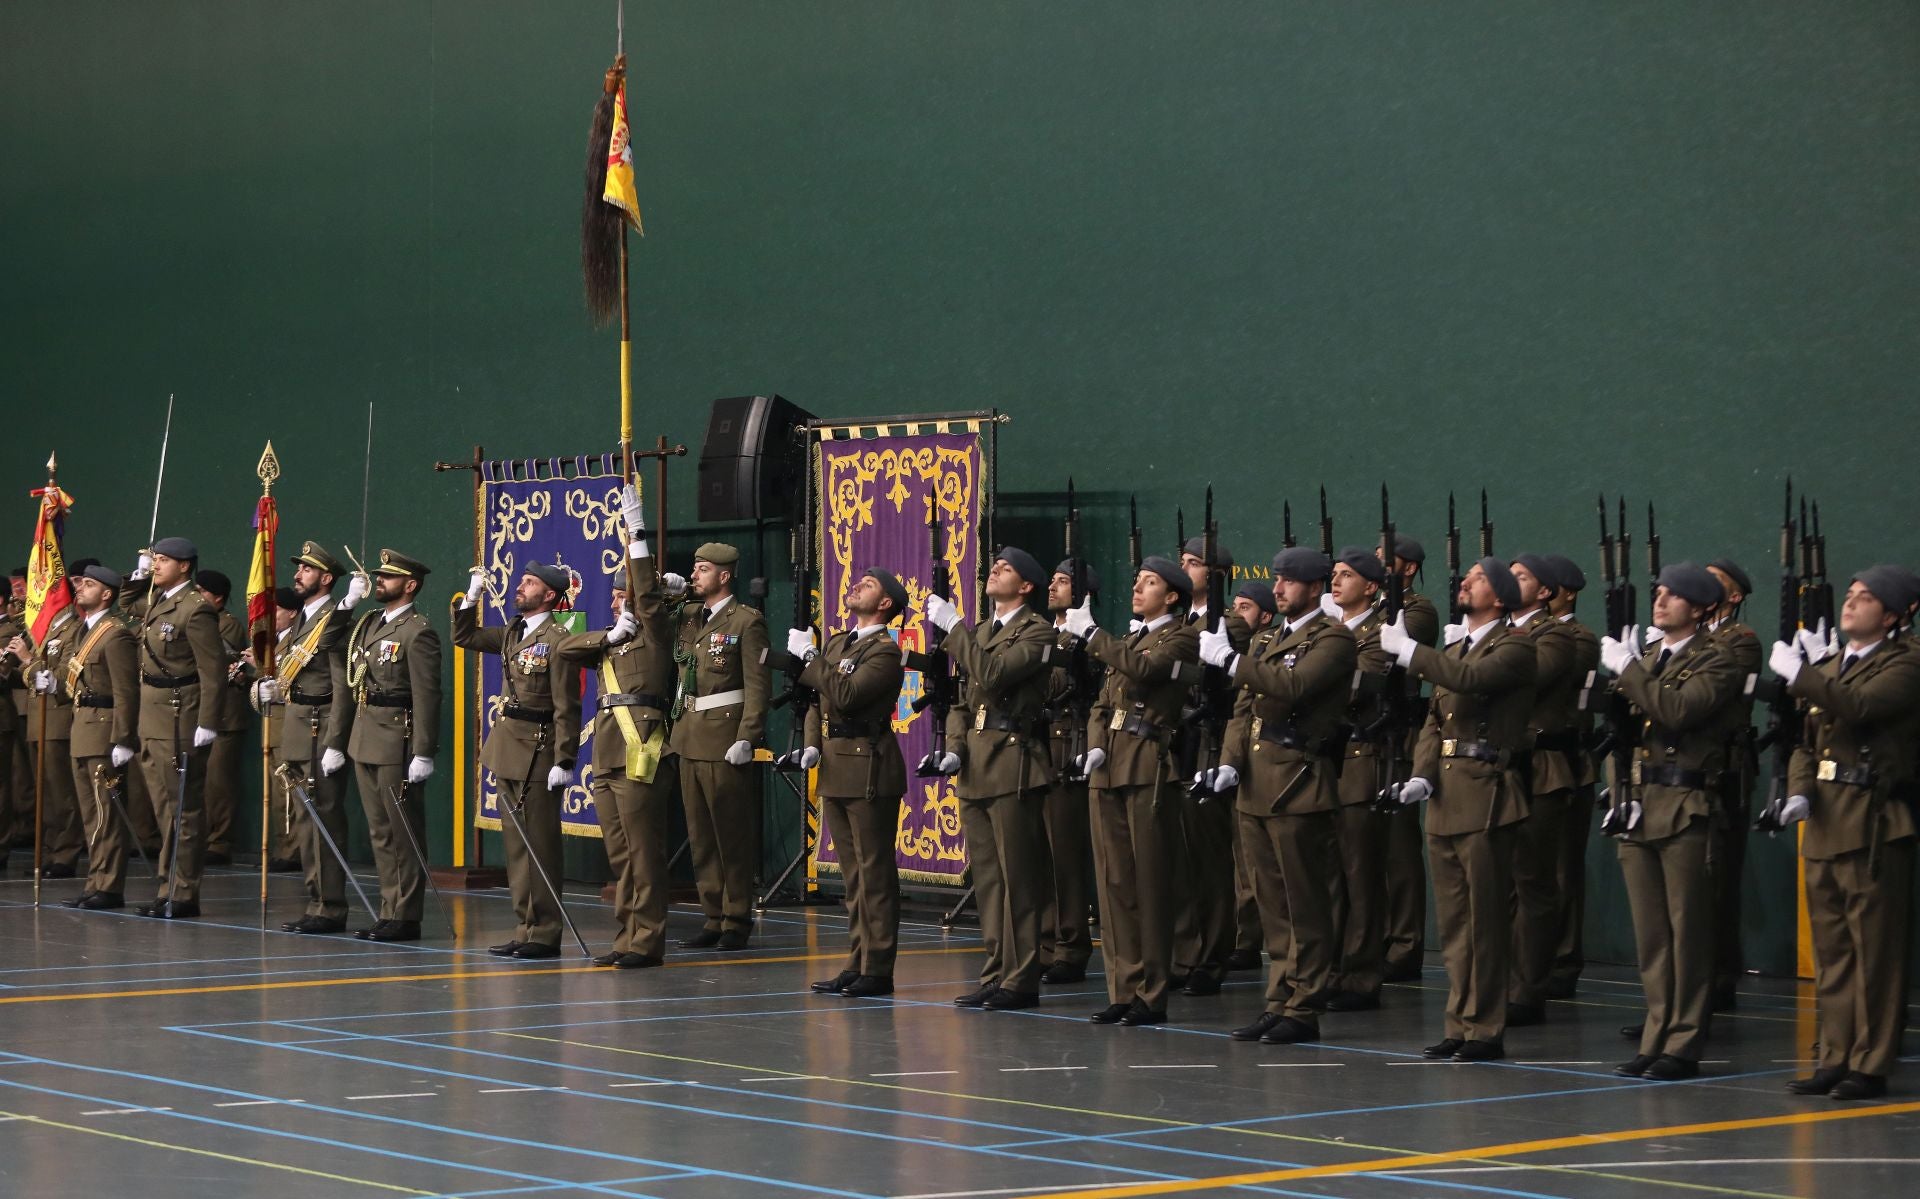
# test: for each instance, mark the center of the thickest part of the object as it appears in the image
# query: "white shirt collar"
(533, 622)
(397, 613)
(175, 589)
(1863, 651)
(1476, 636)
(860, 631)
(319, 601)
(1521, 618)
(1674, 647)
(713, 609)
(1564, 617)
(1354, 622)
(94, 618)
(1006, 614)
(1157, 621)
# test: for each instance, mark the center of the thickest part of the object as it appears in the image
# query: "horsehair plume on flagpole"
(600, 222)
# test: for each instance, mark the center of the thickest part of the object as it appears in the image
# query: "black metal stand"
(803, 894)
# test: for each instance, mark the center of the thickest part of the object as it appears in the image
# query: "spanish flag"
(266, 523)
(619, 190)
(48, 592)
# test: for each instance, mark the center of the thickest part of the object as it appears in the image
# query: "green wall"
(1549, 249)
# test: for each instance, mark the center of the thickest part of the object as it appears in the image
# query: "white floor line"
(257, 1102)
(1534, 1062)
(617, 1085)
(1299, 1065)
(1035, 1069)
(516, 1090)
(788, 1078)
(403, 1095)
(1442, 1061)
(913, 1073)
(1182, 1066)
(123, 1111)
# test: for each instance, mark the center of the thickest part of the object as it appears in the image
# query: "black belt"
(869, 729)
(1330, 747)
(1830, 771)
(632, 699)
(1567, 741)
(1479, 751)
(1146, 730)
(172, 681)
(530, 715)
(94, 701)
(985, 719)
(380, 699)
(310, 700)
(1671, 776)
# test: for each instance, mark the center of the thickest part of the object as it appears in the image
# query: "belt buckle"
(1449, 747)
(1827, 771)
(1118, 722)
(1258, 724)
(1633, 775)
(979, 720)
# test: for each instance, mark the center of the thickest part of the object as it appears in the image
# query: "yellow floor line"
(225, 1157)
(1390, 1165)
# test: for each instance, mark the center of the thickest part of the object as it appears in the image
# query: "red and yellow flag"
(48, 592)
(619, 190)
(266, 524)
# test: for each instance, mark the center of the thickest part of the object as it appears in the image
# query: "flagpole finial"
(53, 463)
(268, 470)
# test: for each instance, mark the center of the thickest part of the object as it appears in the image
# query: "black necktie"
(1660, 664)
(1139, 636)
(1846, 664)
(997, 624)
(706, 614)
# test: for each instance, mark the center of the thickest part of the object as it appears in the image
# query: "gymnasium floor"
(211, 1058)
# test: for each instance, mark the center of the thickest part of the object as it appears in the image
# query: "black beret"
(1260, 594)
(102, 574)
(1089, 577)
(78, 566)
(1505, 588)
(1541, 568)
(1693, 583)
(1222, 556)
(1364, 562)
(1302, 565)
(177, 548)
(1169, 570)
(555, 577)
(1406, 549)
(891, 586)
(286, 597)
(19, 572)
(1026, 566)
(1567, 575)
(214, 581)
(1731, 569)
(1894, 586)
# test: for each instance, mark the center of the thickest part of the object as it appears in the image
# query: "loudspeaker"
(750, 463)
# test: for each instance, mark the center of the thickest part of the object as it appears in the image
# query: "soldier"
(849, 737)
(393, 670)
(1848, 782)
(1681, 686)
(1406, 842)
(1129, 768)
(632, 785)
(49, 725)
(1570, 881)
(228, 719)
(310, 690)
(1551, 774)
(183, 666)
(283, 856)
(1254, 607)
(1728, 830)
(1466, 764)
(1205, 923)
(1284, 759)
(1066, 945)
(100, 679)
(720, 715)
(1359, 924)
(13, 727)
(531, 747)
(996, 743)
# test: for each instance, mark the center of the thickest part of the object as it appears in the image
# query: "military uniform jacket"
(858, 681)
(538, 683)
(53, 656)
(232, 713)
(1682, 730)
(727, 653)
(13, 680)
(1867, 721)
(1553, 728)
(1005, 678)
(1423, 619)
(1366, 703)
(1066, 734)
(1586, 666)
(642, 667)
(1742, 645)
(102, 666)
(316, 695)
(1139, 706)
(1291, 726)
(180, 641)
(394, 668)
(1481, 702)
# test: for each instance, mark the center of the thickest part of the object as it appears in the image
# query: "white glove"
(623, 629)
(1655, 633)
(1634, 812)
(419, 770)
(266, 691)
(1215, 647)
(1225, 779)
(739, 753)
(800, 644)
(1796, 809)
(476, 587)
(203, 737)
(1091, 761)
(558, 778)
(633, 514)
(331, 760)
(144, 567)
(1134, 625)
(942, 613)
(675, 585)
(1397, 642)
(809, 758)
(1413, 791)
(1079, 621)
(43, 682)
(1452, 633)
(1816, 643)
(121, 756)
(1615, 655)
(1331, 606)
(941, 763)
(358, 588)
(1785, 661)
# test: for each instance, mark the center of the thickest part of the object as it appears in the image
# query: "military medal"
(532, 659)
(387, 651)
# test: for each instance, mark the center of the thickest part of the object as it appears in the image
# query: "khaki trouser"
(1133, 843)
(140, 808)
(1360, 918)
(633, 828)
(1064, 936)
(1295, 863)
(535, 908)
(1406, 888)
(1859, 921)
(106, 836)
(1203, 922)
(223, 790)
(864, 835)
(722, 803)
(1728, 859)
(1569, 956)
(403, 884)
(1671, 897)
(326, 882)
(61, 835)
(1247, 937)
(1538, 842)
(1005, 851)
(1472, 894)
(180, 861)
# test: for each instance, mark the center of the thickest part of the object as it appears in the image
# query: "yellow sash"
(643, 754)
(77, 665)
(295, 660)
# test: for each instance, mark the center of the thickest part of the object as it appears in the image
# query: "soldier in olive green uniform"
(1681, 688)
(183, 666)
(1570, 878)
(1552, 764)
(13, 728)
(229, 719)
(1284, 765)
(283, 853)
(1066, 944)
(1130, 775)
(1406, 842)
(996, 741)
(720, 716)
(101, 680)
(531, 747)
(60, 831)
(1849, 781)
(310, 690)
(1467, 764)
(849, 738)
(1731, 817)
(1253, 608)
(393, 669)
(1360, 912)
(632, 782)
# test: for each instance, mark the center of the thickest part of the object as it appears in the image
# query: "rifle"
(1784, 724)
(1081, 684)
(1620, 606)
(1653, 556)
(1208, 719)
(800, 696)
(1286, 524)
(1486, 527)
(1820, 613)
(1389, 729)
(938, 695)
(1133, 533)
(1455, 613)
(1326, 526)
